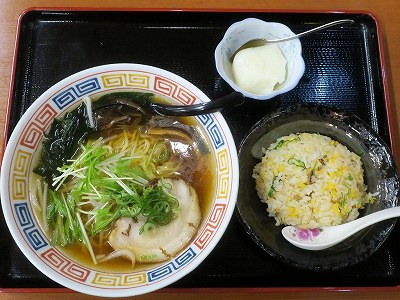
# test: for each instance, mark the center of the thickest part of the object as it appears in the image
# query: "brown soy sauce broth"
(202, 179)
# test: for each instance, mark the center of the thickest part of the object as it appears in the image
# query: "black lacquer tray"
(343, 69)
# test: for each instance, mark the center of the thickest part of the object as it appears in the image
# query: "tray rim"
(219, 290)
(387, 102)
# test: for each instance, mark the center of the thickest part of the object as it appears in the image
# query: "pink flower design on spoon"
(307, 234)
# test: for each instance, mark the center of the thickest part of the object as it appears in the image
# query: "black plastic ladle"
(144, 105)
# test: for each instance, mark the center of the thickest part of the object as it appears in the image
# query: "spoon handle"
(228, 101)
(373, 218)
(334, 23)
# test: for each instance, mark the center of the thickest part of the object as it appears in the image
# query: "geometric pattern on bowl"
(18, 164)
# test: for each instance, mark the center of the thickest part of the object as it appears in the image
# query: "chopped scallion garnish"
(105, 187)
(297, 163)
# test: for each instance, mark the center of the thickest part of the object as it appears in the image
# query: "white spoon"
(319, 239)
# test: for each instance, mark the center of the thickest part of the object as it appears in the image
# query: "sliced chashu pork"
(164, 241)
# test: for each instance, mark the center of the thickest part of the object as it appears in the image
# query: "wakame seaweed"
(62, 142)
(66, 134)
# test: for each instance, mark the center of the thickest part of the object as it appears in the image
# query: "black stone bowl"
(379, 174)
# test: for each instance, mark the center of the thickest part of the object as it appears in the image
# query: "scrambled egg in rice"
(310, 181)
